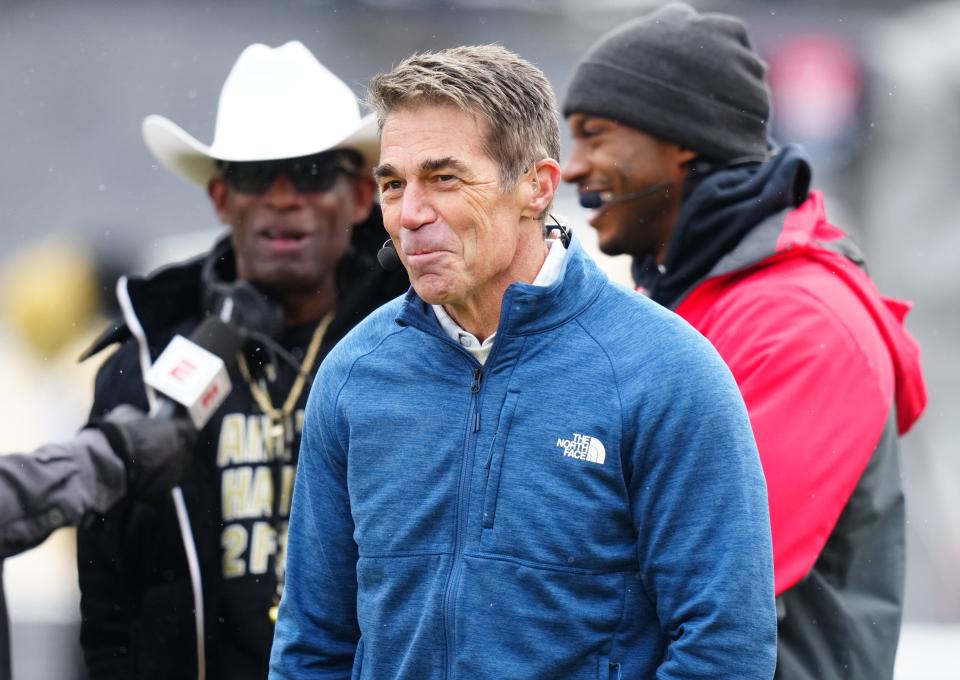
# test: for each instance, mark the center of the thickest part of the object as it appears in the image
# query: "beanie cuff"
(712, 128)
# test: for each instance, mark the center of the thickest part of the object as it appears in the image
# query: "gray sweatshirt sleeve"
(55, 486)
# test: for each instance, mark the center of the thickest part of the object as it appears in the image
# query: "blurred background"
(872, 88)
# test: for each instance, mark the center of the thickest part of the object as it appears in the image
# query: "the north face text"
(583, 447)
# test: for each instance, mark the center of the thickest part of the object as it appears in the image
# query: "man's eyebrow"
(434, 164)
(385, 170)
(430, 165)
(583, 121)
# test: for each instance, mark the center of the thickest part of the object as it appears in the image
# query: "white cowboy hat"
(276, 103)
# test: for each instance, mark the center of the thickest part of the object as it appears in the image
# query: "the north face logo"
(583, 447)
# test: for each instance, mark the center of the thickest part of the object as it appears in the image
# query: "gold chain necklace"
(281, 430)
(281, 420)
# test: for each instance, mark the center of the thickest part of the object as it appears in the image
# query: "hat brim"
(186, 156)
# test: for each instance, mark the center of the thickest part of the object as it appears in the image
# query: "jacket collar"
(162, 300)
(526, 308)
(719, 212)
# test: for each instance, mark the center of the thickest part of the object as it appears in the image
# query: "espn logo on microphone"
(182, 371)
(190, 375)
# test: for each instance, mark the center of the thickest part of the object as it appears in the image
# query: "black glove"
(154, 450)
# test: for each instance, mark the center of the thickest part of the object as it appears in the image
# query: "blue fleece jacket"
(588, 504)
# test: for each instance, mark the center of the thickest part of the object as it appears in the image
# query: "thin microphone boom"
(596, 199)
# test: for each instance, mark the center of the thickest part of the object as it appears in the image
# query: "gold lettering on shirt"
(253, 541)
(247, 492)
(234, 485)
(233, 540)
(261, 501)
(230, 447)
(263, 544)
(286, 489)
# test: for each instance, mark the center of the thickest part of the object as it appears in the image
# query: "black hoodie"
(719, 210)
(136, 598)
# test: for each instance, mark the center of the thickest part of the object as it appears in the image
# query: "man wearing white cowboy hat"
(287, 172)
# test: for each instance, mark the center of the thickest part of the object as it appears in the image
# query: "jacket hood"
(772, 236)
(737, 218)
(719, 211)
(161, 299)
(807, 233)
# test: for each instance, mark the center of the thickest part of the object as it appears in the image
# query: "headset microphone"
(596, 199)
(387, 256)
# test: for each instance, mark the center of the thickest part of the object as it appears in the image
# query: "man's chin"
(609, 244)
(281, 280)
(608, 233)
(433, 292)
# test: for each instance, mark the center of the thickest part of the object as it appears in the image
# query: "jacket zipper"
(469, 447)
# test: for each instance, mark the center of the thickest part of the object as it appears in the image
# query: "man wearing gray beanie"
(669, 117)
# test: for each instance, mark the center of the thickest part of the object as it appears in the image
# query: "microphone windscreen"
(591, 199)
(388, 258)
(217, 337)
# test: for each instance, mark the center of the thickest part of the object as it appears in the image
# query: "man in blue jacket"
(517, 470)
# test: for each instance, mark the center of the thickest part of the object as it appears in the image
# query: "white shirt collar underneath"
(549, 273)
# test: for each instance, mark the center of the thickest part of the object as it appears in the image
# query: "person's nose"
(282, 196)
(416, 209)
(577, 166)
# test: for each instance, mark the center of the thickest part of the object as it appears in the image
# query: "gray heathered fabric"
(684, 77)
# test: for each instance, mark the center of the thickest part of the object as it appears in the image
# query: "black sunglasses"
(308, 174)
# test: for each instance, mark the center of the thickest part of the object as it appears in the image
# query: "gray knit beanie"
(681, 76)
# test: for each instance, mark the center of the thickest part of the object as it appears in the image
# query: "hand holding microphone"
(191, 373)
(153, 450)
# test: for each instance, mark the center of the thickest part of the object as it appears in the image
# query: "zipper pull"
(477, 377)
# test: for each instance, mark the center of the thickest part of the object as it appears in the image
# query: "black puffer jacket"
(136, 598)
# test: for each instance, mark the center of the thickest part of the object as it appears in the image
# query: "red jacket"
(820, 357)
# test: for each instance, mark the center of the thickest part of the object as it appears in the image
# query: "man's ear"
(218, 191)
(544, 180)
(364, 189)
(683, 157)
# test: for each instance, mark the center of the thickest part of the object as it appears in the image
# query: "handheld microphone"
(596, 199)
(191, 372)
(387, 256)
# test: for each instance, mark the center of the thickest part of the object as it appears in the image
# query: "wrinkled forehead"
(430, 136)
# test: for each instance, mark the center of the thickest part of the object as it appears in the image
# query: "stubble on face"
(611, 157)
(443, 204)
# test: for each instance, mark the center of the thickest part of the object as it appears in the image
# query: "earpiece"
(564, 231)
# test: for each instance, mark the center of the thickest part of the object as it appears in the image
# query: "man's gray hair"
(511, 95)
